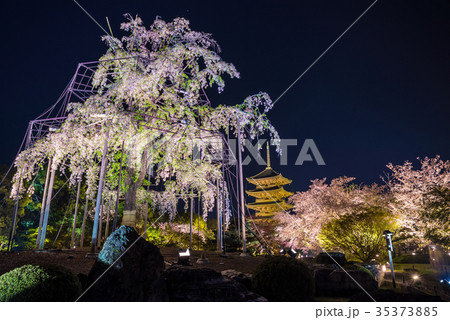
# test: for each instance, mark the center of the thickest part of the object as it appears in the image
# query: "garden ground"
(77, 262)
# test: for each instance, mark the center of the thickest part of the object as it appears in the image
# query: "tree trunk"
(129, 209)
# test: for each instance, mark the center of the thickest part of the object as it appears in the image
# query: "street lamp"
(388, 235)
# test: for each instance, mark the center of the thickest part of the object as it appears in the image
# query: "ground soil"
(77, 261)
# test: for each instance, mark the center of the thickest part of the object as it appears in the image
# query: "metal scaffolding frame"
(79, 89)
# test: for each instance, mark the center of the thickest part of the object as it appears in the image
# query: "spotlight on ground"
(183, 257)
(292, 253)
(282, 251)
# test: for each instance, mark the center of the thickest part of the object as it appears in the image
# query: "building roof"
(270, 192)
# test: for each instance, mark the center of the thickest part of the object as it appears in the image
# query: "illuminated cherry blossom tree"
(150, 99)
(413, 191)
(321, 204)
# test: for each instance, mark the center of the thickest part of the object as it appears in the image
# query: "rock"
(337, 282)
(243, 278)
(187, 284)
(83, 280)
(136, 276)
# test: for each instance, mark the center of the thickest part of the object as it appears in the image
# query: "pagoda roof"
(266, 173)
(269, 207)
(275, 191)
(269, 177)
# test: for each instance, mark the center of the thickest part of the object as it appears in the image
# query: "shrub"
(409, 258)
(326, 258)
(283, 278)
(39, 283)
(355, 267)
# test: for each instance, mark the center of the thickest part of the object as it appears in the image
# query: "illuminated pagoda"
(269, 192)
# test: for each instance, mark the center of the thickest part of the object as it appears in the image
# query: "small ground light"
(291, 252)
(183, 256)
(282, 251)
(383, 268)
(415, 277)
(413, 253)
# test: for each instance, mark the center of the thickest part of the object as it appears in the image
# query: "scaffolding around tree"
(79, 90)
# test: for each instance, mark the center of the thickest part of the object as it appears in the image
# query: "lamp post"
(388, 235)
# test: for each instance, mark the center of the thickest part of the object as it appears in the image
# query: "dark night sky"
(380, 95)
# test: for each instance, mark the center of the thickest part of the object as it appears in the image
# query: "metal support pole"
(83, 226)
(224, 206)
(219, 222)
(74, 225)
(107, 226)
(222, 212)
(146, 209)
(44, 196)
(118, 191)
(99, 195)
(237, 200)
(47, 210)
(13, 225)
(241, 190)
(198, 221)
(100, 225)
(190, 230)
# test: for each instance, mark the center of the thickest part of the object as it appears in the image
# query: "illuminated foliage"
(321, 204)
(421, 199)
(32, 283)
(150, 96)
(359, 235)
(436, 215)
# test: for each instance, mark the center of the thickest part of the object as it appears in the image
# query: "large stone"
(241, 277)
(134, 270)
(187, 284)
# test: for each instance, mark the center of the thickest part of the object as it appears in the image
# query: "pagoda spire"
(268, 153)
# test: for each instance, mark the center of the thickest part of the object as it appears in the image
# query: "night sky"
(380, 95)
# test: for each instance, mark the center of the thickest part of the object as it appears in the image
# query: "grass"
(420, 267)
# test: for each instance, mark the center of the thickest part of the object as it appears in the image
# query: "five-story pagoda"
(269, 192)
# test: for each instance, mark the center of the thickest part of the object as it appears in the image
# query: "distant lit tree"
(359, 235)
(321, 204)
(420, 198)
(436, 215)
